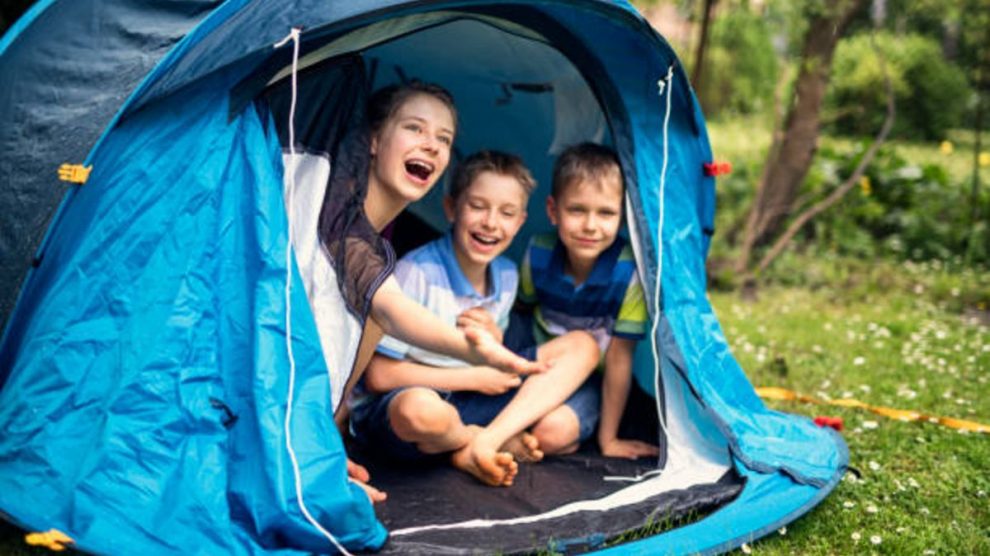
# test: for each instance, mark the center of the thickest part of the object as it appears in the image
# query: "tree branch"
(784, 240)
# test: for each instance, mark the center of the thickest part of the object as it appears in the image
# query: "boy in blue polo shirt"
(584, 278)
(426, 403)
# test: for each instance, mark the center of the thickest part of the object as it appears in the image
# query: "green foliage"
(741, 66)
(900, 209)
(931, 93)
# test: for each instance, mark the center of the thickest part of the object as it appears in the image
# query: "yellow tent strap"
(53, 539)
(774, 393)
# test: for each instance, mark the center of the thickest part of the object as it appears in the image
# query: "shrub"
(741, 68)
(931, 93)
(911, 211)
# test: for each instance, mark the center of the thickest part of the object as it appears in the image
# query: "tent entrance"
(514, 92)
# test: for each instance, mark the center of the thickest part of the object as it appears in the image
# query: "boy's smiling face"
(485, 217)
(587, 215)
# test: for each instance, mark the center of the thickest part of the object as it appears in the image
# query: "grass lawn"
(891, 338)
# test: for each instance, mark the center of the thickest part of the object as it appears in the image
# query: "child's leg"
(419, 416)
(573, 356)
(422, 417)
(564, 428)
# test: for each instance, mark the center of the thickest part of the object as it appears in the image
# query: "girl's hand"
(359, 475)
(487, 351)
(478, 317)
(629, 449)
(491, 381)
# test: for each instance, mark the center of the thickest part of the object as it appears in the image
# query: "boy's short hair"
(497, 162)
(584, 162)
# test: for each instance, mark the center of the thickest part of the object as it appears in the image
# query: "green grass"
(924, 487)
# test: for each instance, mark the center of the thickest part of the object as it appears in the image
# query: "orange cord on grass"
(774, 393)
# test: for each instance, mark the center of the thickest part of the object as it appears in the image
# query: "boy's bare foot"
(524, 447)
(484, 463)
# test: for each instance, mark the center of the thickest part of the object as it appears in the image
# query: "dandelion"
(870, 425)
(984, 158)
(946, 147)
(874, 466)
(859, 361)
(875, 539)
(856, 536)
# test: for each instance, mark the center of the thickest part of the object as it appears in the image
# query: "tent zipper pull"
(74, 173)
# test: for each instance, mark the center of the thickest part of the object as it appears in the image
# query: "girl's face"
(412, 148)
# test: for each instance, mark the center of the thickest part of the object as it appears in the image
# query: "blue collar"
(459, 283)
(601, 273)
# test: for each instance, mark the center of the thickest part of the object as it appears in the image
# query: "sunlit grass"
(924, 488)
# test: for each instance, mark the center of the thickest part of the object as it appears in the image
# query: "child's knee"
(576, 344)
(558, 431)
(419, 412)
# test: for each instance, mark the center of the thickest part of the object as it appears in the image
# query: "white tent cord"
(291, 169)
(665, 85)
(633, 479)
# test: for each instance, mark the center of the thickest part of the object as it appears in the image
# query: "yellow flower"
(864, 186)
(946, 147)
(984, 158)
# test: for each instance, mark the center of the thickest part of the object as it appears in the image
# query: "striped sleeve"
(527, 290)
(632, 320)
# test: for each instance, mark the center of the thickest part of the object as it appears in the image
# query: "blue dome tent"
(147, 399)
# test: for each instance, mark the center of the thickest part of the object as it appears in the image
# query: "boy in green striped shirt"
(584, 278)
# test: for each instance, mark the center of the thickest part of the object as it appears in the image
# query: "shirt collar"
(459, 283)
(600, 274)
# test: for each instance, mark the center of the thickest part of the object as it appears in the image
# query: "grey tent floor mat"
(428, 506)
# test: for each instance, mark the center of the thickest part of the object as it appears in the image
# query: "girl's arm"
(615, 393)
(385, 374)
(403, 318)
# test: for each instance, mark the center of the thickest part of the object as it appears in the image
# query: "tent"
(148, 400)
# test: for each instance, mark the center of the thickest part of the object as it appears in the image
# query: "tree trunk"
(699, 55)
(791, 152)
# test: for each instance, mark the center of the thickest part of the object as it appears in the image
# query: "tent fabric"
(68, 67)
(149, 340)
